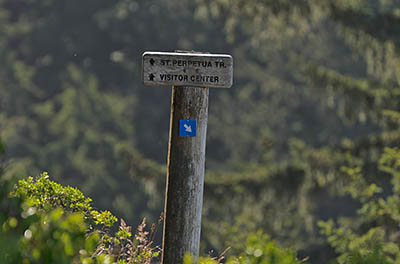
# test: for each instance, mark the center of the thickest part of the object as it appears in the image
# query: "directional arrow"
(152, 61)
(188, 128)
(151, 77)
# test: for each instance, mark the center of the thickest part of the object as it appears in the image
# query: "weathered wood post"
(185, 175)
(188, 73)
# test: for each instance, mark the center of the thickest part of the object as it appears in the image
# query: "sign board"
(187, 69)
(187, 128)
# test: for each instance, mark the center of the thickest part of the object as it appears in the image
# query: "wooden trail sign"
(190, 75)
(187, 69)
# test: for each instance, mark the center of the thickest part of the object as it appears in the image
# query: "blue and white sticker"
(187, 128)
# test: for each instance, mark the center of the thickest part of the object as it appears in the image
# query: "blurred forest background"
(308, 133)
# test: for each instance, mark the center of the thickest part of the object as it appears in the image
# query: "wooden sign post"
(187, 73)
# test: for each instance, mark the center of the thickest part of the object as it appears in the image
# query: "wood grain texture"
(187, 69)
(185, 175)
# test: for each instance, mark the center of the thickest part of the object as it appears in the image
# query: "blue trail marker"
(187, 128)
(187, 73)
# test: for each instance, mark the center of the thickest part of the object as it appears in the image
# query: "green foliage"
(55, 237)
(45, 194)
(343, 55)
(371, 236)
(316, 87)
(374, 257)
(45, 222)
(261, 249)
(258, 249)
(33, 237)
(139, 249)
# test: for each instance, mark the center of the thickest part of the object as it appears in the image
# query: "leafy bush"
(373, 235)
(258, 249)
(45, 222)
(50, 223)
(44, 194)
